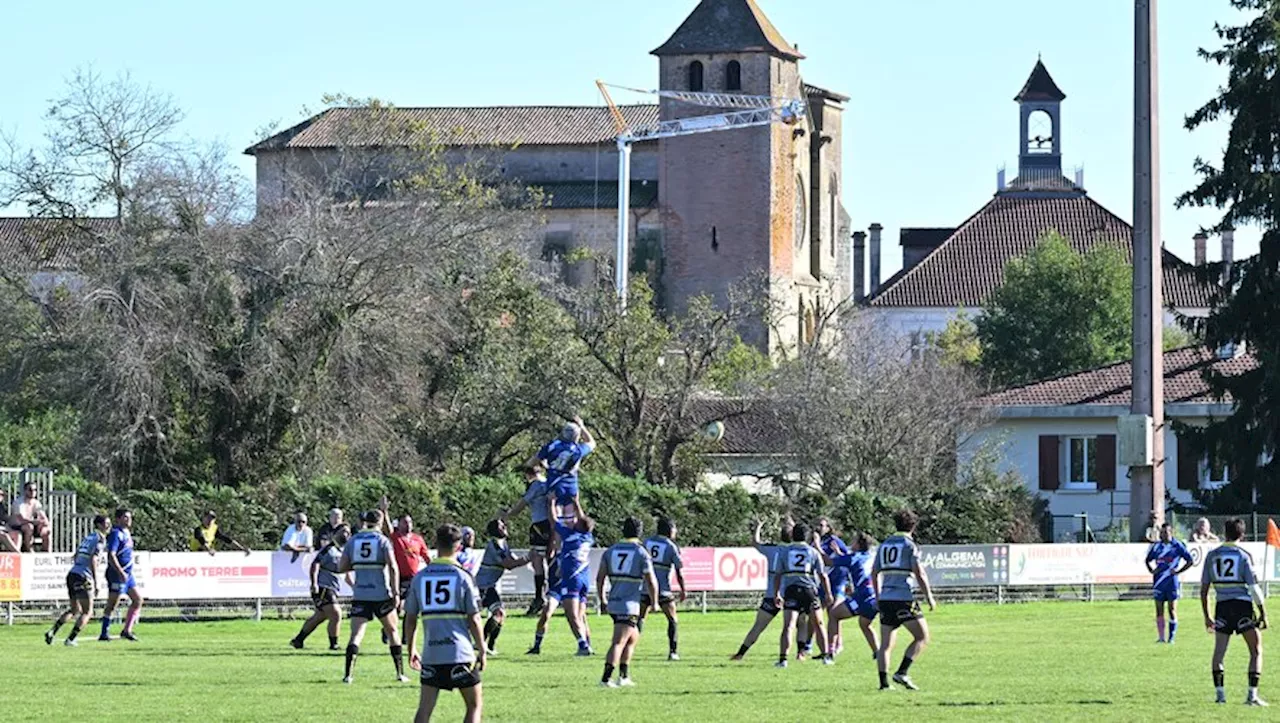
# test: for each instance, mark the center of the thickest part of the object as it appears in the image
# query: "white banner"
(191, 575)
(1103, 564)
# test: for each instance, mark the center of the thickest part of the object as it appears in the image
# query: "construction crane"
(747, 111)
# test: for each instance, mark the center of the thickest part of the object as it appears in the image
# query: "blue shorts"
(839, 581)
(565, 490)
(120, 587)
(574, 587)
(863, 607)
(1165, 594)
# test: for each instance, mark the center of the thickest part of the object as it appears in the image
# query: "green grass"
(1044, 661)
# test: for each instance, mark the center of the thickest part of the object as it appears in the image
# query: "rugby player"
(831, 546)
(376, 592)
(1228, 569)
(666, 557)
(1162, 563)
(120, 576)
(861, 603)
(535, 498)
(326, 581)
(497, 559)
(768, 609)
(797, 584)
(453, 652)
(629, 570)
(468, 558)
(562, 456)
(898, 561)
(571, 590)
(81, 581)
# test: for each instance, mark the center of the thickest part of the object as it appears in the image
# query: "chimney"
(859, 265)
(875, 257)
(1228, 253)
(1000, 184)
(1079, 178)
(1202, 247)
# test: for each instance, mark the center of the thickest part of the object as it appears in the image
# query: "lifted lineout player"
(120, 577)
(862, 602)
(375, 594)
(898, 561)
(81, 581)
(562, 457)
(629, 571)
(801, 580)
(1162, 563)
(326, 581)
(666, 557)
(570, 590)
(494, 564)
(535, 498)
(453, 654)
(1228, 569)
(768, 609)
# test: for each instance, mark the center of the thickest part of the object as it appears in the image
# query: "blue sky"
(932, 81)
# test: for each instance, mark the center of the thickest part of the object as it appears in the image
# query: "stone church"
(706, 210)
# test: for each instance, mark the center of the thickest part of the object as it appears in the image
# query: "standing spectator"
(29, 519)
(297, 537)
(1202, 532)
(409, 549)
(206, 536)
(325, 534)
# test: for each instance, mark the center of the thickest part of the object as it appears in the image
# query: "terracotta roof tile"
(968, 266)
(44, 244)
(750, 427)
(490, 126)
(1183, 382)
(727, 26)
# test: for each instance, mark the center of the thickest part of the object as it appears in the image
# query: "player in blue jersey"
(1162, 562)
(536, 499)
(453, 649)
(81, 581)
(468, 556)
(376, 592)
(628, 569)
(495, 562)
(861, 600)
(120, 580)
(665, 553)
(798, 585)
(768, 610)
(898, 562)
(326, 582)
(831, 546)
(563, 456)
(1228, 571)
(573, 544)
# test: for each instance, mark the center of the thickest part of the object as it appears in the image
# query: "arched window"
(733, 76)
(695, 75)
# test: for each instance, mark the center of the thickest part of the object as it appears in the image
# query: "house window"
(1215, 473)
(1081, 463)
(695, 75)
(733, 76)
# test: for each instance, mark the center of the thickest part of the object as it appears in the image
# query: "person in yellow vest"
(206, 536)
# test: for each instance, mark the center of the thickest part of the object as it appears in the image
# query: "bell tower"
(1040, 109)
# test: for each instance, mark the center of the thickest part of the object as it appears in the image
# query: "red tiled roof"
(1183, 382)
(488, 126)
(750, 426)
(727, 26)
(44, 244)
(968, 266)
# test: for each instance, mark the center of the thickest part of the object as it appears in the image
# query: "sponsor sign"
(966, 565)
(10, 576)
(185, 575)
(291, 575)
(739, 568)
(45, 576)
(699, 569)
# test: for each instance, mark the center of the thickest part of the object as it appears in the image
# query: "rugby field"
(1043, 661)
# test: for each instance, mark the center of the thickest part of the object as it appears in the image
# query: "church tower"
(1040, 107)
(735, 202)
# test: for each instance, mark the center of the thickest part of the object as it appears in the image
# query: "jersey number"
(620, 560)
(1224, 568)
(655, 552)
(562, 462)
(890, 555)
(441, 593)
(797, 560)
(366, 550)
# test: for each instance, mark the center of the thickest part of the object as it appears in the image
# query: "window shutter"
(1106, 451)
(1049, 467)
(1189, 454)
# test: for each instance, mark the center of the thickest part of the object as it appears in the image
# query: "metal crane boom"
(710, 100)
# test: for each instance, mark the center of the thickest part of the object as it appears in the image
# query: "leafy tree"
(957, 344)
(1245, 184)
(1057, 311)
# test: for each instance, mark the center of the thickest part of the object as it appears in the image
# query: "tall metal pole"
(622, 258)
(1147, 483)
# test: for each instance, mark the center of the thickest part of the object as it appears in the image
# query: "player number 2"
(1224, 568)
(797, 560)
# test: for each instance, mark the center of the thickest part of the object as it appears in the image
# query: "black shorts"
(324, 598)
(540, 535)
(646, 602)
(896, 612)
(1234, 616)
(800, 598)
(372, 610)
(490, 598)
(629, 620)
(405, 585)
(451, 677)
(79, 587)
(768, 606)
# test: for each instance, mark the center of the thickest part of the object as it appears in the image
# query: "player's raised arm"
(385, 526)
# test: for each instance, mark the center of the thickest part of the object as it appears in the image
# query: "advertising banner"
(699, 569)
(291, 575)
(966, 565)
(10, 576)
(45, 577)
(228, 575)
(739, 568)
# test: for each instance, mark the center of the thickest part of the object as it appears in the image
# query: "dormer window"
(695, 76)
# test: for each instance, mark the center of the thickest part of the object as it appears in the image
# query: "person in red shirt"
(410, 549)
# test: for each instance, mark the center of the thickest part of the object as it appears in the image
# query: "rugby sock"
(906, 665)
(106, 625)
(352, 652)
(1173, 628)
(56, 625)
(1160, 626)
(608, 673)
(539, 587)
(488, 631)
(673, 636)
(1219, 679)
(75, 630)
(806, 645)
(640, 625)
(397, 656)
(884, 679)
(1253, 683)
(624, 671)
(537, 641)
(742, 650)
(333, 642)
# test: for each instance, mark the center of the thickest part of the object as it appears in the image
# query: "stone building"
(706, 210)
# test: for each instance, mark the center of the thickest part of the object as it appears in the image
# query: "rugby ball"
(714, 431)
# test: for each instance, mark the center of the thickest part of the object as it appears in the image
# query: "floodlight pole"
(1146, 495)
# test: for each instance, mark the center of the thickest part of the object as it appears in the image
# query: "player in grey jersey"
(768, 610)
(629, 571)
(81, 581)
(898, 563)
(375, 594)
(535, 498)
(326, 582)
(801, 581)
(666, 559)
(1228, 569)
(444, 596)
(497, 559)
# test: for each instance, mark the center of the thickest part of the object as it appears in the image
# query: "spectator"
(206, 536)
(1152, 533)
(297, 537)
(1202, 532)
(325, 534)
(6, 542)
(28, 519)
